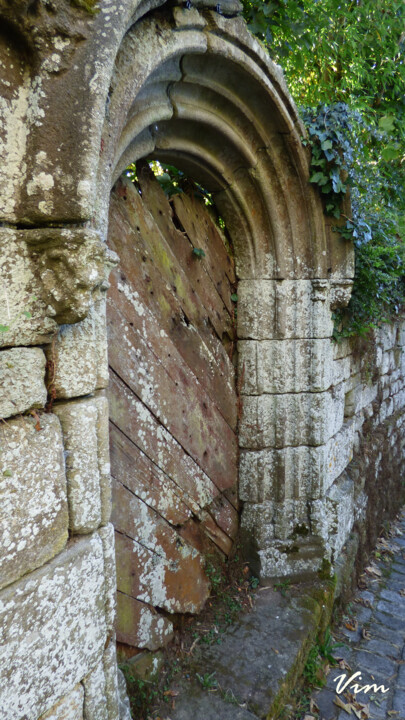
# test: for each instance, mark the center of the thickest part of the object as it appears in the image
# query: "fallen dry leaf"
(313, 707)
(351, 625)
(344, 665)
(365, 603)
(365, 634)
(337, 701)
(373, 570)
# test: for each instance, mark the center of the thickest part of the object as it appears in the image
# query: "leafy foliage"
(172, 180)
(337, 52)
(344, 62)
(340, 160)
(333, 141)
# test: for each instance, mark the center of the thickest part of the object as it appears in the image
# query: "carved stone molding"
(72, 265)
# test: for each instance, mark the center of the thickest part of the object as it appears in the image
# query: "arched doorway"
(194, 90)
(173, 403)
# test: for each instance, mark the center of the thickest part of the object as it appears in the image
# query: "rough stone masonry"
(86, 89)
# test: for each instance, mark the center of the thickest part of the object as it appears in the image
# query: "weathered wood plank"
(176, 398)
(200, 227)
(143, 478)
(154, 563)
(209, 278)
(225, 515)
(148, 235)
(132, 619)
(131, 416)
(151, 313)
(173, 406)
(210, 368)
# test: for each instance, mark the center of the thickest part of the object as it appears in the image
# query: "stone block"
(124, 704)
(399, 400)
(266, 475)
(95, 706)
(368, 395)
(401, 333)
(341, 370)
(386, 409)
(285, 366)
(272, 543)
(333, 518)
(20, 293)
(294, 473)
(270, 521)
(111, 681)
(73, 265)
(84, 426)
(33, 508)
(290, 419)
(69, 708)
(378, 357)
(79, 355)
(55, 618)
(106, 535)
(22, 375)
(386, 335)
(388, 362)
(353, 400)
(334, 459)
(341, 288)
(277, 309)
(342, 349)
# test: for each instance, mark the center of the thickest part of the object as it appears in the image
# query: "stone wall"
(371, 489)
(84, 94)
(322, 451)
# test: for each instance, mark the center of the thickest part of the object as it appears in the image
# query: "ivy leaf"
(327, 145)
(4, 328)
(234, 297)
(198, 252)
(387, 123)
(391, 152)
(319, 178)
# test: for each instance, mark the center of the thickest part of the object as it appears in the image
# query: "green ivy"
(333, 140)
(342, 157)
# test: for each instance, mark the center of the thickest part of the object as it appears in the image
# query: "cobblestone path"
(374, 637)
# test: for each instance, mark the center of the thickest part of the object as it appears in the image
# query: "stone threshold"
(252, 672)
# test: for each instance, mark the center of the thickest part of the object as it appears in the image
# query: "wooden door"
(173, 404)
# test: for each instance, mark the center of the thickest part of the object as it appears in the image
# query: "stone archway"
(194, 89)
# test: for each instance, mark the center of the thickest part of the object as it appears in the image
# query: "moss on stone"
(90, 6)
(325, 571)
